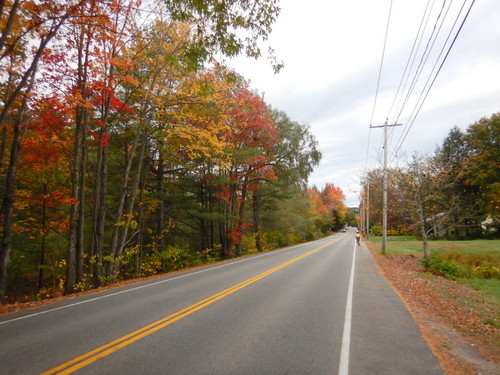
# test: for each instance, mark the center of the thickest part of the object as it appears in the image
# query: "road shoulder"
(385, 338)
(457, 354)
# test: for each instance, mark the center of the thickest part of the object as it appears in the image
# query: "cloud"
(332, 54)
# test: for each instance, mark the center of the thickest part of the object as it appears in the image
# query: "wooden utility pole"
(368, 213)
(385, 177)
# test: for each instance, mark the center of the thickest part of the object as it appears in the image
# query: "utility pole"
(385, 177)
(368, 213)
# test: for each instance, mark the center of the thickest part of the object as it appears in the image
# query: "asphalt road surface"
(316, 308)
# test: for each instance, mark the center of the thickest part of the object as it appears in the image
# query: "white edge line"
(143, 286)
(346, 337)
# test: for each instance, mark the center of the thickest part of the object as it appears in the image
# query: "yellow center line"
(107, 349)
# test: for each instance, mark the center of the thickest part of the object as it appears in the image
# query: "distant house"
(441, 227)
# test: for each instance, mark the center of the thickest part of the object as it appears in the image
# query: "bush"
(376, 230)
(275, 240)
(444, 267)
(486, 271)
(248, 243)
(172, 259)
(480, 265)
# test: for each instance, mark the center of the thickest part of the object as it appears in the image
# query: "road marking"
(346, 337)
(107, 349)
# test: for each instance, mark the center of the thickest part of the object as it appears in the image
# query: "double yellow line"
(107, 349)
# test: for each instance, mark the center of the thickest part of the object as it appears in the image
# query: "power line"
(378, 80)
(409, 66)
(423, 96)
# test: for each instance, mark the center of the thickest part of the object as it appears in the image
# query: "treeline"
(127, 150)
(452, 193)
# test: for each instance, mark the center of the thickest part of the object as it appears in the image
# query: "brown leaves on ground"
(452, 316)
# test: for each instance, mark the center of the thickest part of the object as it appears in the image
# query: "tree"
(231, 26)
(423, 188)
(483, 139)
(24, 25)
(451, 160)
(142, 118)
(294, 157)
(333, 197)
(43, 177)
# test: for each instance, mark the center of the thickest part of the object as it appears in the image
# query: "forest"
(129, 149)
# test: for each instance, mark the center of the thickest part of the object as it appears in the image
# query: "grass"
(479, 259)
(489, 286)
(411, 245)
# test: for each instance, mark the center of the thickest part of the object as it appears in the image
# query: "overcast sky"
(332, 51)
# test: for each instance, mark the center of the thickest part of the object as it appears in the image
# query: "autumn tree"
(138, 106)
(294, 157)
(28, 28)
(333, 197)
(43, 180)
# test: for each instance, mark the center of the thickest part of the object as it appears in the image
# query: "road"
(316, 308)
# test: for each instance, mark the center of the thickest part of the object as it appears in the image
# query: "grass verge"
(478, 261)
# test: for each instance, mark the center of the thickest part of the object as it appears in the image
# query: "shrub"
(275, 240)
(442, 266)
(171, 259)
(480, 265)
(486, 270)
(375, 230)
(248, 243)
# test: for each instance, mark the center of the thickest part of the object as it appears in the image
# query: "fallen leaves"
(450, 305)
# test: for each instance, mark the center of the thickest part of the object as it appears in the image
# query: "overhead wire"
(410, 62)
(425, 91)
(423, 60)
(425, 55)
(378, 82)
(413, 52)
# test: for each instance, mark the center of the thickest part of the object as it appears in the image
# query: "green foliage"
(248, 243)
(486, 270)
(490, 286)
(376, 230)
(442, 266)
(275, 240)
(175, 258)
(475, 265)
(230, 27)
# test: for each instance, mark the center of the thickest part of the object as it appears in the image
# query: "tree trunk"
(140, 229)
(10, 189)
(8, 205)
(44, 235)
(74, 209)
(241, 216)
(423, 232)
(75, 236)
(130, 207)
(256, 219)
(81, 206)
(161, 206)
(99, 214)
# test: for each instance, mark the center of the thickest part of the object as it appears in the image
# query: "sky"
(339, 79)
